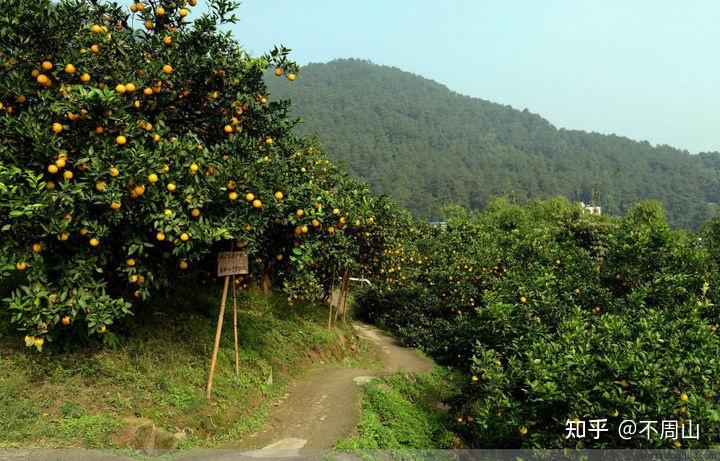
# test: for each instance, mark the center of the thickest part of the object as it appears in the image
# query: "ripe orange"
(167, 69)
(66, 320)
(278, 72)
(149, 25)
(57, 128)
(171, 187)
(195, 212)
(47, 65)
(39, 342)
(85, 77)
(68, 175)
(95, 49)
(160, 236)
(120, 88)
(184, 237)
(114, 172)
(684, 397)
(269, 141)
(148, 91)
(94, 242)
(291, 77)
(64, 236)
(257, 203)
(42, 79)
(130, 262)
(153, 178)
(69, 68)
(140, 6)
(100, 186)
(130, 87)
(336, 211)
(37, 248)
(315, 223)
(115, 205)
(183, 265)
(523, 299)
(278, 195)
(228, 129)
(160, 11)
(249, 196)
(167, 40)
(52, 169)
(300, 212)
(121, 140)
(233, 196)
(183, 12)
(304, 229)
(194, 167)
(21, 266)
(331, 229)
(95, 29)
(84, 231)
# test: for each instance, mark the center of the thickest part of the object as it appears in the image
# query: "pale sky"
(646, 69)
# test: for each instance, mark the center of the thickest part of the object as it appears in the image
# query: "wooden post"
(213, 362)
(345, 295)
(237, 350)
(345, 280)
(346, 288)
(332, 293)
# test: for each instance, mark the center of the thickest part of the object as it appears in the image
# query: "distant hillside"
(416, 140)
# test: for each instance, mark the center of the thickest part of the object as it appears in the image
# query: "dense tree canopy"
(427, 146)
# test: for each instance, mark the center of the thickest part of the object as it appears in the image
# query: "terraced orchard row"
(554, 316)
(135, 145)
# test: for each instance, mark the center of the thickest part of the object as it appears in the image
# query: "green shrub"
(554, 315)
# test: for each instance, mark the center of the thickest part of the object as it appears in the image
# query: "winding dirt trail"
(323, 407)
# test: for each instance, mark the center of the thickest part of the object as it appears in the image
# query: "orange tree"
(134, 144)
(553, 315)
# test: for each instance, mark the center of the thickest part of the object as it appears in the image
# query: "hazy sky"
(648, 70)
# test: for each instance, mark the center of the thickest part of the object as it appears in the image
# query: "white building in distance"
(592, 209)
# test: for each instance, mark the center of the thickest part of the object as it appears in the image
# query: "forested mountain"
(416, 140)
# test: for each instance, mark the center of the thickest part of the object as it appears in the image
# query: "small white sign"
(232, 263)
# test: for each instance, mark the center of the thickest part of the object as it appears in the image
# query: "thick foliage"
(426, 146)
(555, 315)
(134, 145)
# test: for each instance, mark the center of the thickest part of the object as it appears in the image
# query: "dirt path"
(323, 407)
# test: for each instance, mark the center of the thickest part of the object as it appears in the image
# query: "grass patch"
(159, 371)
(405, 411)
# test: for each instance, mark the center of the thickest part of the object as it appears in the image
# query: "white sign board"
(232, 263)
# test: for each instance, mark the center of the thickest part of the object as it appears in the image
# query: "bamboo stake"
(237, 350)
(213, 362)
